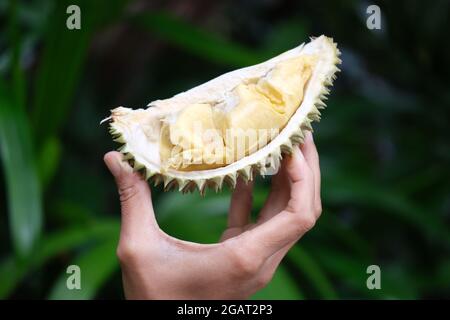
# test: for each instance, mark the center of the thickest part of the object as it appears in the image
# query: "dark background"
(383, 140)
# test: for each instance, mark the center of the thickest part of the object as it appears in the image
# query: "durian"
(237, 125)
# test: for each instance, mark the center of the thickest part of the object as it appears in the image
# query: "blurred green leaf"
(286, 35)
(62, 61)
(351, 270)
(282, 287)
(48, 160)
(313, 272)
(13, 270)
(25, 215)
(422, 180)
(96, 264)
(341, 233)
(18, 80)
(193, 39)
(204, 222)
(73, 213)
(348, 189)
(70, 238)
(441, 280)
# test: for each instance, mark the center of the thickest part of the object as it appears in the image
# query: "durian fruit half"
(238, 124)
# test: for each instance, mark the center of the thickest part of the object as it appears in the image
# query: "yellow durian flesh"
(210, 135)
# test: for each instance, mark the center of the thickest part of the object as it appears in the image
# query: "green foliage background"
(383, 140)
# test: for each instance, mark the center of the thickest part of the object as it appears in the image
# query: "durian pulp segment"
(208, 135)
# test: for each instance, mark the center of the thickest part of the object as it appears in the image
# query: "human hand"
(158, 266)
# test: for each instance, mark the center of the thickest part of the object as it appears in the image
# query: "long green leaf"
(24, 194)
(351, 270)
(281, 287)
(340, 233)
(62, 61)
(312, 271)
(197, 41)
(59, 68)
(204, 223)
(349, 189)
(18, 81)
(48, 160)
(13, 270)
(96, 265)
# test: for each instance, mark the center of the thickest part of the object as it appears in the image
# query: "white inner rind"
(146, 151)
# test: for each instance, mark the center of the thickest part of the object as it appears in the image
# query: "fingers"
(276, 233)
(135, 199)
(312, 158)
(241, 204)
(279, 195)
(308, 149)
(302, 186)
(296, 166)
(296, 219)
(272, 239)
(282, 182)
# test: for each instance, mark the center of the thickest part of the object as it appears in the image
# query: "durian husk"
(267, 159)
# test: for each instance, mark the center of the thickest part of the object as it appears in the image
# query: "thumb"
(135, 198)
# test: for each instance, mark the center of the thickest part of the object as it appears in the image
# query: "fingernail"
(114, 164)
(309, 136)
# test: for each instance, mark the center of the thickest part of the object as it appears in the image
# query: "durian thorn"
(148, 174)
(230, 180)
(172, 184)
(105, 120)
(167, 181)
(138, 166)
